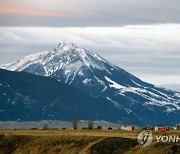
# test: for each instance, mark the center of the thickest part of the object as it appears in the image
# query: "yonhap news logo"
(145, 138)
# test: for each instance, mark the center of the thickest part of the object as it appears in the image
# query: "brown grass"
(77, 141)
(94, 133)
(44, 144)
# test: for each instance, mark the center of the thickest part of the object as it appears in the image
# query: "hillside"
(81, 145)
(25, 97)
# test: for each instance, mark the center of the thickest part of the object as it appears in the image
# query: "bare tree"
(75, 123)
(46, 126)
(90, 124)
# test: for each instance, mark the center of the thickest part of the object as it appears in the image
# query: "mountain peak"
(66, 56)
(65, 46)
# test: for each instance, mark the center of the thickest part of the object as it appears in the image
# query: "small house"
(160, 128)
(128, 128)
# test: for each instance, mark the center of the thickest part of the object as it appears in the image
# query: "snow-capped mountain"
(94, 75)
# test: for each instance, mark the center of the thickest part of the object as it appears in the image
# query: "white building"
(128, 128)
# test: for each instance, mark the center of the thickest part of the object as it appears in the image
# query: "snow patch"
(163, 103)
(86, 81)
(13, 103)
(113, 102)
(105, 87)
(114, 84)
(136, 83)
(170, 109)
(177, 95)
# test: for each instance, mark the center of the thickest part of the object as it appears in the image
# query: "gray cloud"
(152, 52)
(91, 13)
(172, 86)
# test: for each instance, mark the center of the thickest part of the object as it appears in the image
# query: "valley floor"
(80, 142)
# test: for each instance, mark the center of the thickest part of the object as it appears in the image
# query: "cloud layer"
(19, 11)
(152, 52)
(87, 13)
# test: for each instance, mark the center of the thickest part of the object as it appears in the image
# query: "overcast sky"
(141, 36)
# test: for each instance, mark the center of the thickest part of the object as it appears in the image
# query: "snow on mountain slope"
(89, 72)
(64, 56)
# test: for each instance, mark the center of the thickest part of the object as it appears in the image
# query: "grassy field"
(99, 133)
(80, 142)
(81, 132)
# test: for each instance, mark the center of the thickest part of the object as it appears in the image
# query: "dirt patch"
(113, 146)
(158, 148)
